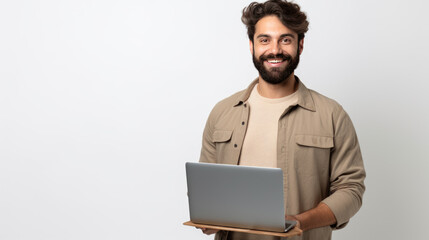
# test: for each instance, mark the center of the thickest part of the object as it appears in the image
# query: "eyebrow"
(281, 36)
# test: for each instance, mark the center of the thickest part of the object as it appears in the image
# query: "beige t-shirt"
(260, 142)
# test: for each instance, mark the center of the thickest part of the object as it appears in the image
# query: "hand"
(293, 218)
(208, 231)
(319, 216)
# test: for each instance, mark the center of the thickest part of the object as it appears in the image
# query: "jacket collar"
(304, 96)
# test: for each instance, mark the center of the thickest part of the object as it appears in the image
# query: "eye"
(286, 40)
(264, 40)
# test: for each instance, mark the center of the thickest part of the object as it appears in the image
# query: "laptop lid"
(236, 196)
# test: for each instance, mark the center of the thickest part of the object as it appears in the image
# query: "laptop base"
(293, 232)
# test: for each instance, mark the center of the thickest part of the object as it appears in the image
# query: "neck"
(280, 90)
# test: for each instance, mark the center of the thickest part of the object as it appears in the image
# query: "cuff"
(343, 207)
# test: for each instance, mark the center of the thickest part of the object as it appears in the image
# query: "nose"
(275, 48)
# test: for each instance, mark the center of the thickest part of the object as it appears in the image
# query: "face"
(275, 50)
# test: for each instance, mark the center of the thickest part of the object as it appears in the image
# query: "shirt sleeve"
(208, 148)
(347, 171)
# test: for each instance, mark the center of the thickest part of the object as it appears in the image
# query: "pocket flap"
(314, 141)
(222, 136)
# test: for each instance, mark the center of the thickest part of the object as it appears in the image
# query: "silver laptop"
(237, 196)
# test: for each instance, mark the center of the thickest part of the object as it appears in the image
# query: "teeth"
(274, 61)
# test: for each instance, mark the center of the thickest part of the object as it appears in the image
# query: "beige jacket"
(317, 149)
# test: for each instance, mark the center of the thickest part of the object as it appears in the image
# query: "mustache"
(284, 57)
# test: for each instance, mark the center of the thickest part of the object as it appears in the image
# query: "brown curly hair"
(289, 14)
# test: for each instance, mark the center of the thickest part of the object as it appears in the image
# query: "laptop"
(237, 196)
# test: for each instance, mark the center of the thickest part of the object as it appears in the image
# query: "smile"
(275, 60)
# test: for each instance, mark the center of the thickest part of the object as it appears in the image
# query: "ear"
(251, 47)
(301, 45)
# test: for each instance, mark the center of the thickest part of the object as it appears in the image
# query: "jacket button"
(242, 123)
(235, 145)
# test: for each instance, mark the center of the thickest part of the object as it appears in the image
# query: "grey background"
(102, 103)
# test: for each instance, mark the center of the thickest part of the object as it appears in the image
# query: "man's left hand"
(293, 218)
(209, 231)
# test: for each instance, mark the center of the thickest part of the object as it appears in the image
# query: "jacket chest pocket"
(312, 154)
(222, 140)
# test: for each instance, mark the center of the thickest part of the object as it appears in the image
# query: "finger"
(210, 231)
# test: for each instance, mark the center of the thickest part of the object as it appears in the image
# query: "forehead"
(272, 26)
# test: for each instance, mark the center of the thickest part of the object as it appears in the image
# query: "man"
(278, 122)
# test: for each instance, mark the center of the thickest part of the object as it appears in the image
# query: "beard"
(276, 75)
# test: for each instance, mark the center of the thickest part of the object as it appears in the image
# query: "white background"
(103, 102)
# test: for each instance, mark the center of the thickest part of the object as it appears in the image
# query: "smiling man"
(278, 122)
